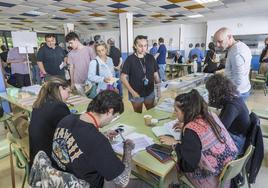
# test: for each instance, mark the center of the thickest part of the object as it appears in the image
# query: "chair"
(45, 176)
(21, 162)
(259, 80)
(235, 167)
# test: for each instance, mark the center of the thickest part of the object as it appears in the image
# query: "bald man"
(238, 60)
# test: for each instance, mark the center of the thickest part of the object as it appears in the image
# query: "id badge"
(145, 81)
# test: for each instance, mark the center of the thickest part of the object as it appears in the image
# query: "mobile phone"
(160, 148)
(119, 130)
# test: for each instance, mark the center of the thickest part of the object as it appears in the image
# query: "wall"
(192, 33)
(170, 33)
(239, 26)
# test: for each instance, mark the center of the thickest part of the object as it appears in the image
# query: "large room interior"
(181, 23)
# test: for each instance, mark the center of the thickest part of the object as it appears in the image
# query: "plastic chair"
(235, 167)
(21, 162)
(260, 80)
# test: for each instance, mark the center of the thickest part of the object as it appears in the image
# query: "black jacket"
(255, 138)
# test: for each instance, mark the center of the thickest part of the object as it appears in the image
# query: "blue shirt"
(153, 50)
(106, 70)
(198, 52)
(162, 50)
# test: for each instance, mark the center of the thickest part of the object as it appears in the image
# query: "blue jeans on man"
(245, 96)
(162, 71)
(36, 74)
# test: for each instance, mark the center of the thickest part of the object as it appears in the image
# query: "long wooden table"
(145, 165)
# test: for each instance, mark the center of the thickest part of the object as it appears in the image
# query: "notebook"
(167, 129)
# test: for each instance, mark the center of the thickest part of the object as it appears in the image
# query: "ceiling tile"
(197, 6)
(118, 5)
(70, 10)
(170, 6)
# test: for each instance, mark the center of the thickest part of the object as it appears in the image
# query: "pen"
(120, 133)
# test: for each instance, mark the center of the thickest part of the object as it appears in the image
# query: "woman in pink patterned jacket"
(206, 146)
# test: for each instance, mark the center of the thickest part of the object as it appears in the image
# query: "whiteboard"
(25, 40)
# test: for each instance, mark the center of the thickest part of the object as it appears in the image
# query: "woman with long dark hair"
(234, 112)
(48, 110)
(211, 65)
(205, 146)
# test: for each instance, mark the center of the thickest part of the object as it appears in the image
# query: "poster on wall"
(25, 40)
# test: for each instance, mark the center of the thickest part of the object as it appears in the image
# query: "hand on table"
(129, 144)
(167, 140)
(178, 126)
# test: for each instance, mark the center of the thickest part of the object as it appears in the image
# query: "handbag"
(92, 91)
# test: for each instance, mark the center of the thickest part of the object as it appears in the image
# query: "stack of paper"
(141, 141)
(167, 129)
(167, 105)
(34, 89)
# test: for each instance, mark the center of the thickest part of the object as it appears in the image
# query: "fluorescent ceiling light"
(205, 1)
(98, 19)
(195, 16)
(37, 13)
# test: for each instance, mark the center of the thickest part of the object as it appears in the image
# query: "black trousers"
(22, 80)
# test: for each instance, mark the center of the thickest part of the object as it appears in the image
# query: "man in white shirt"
(238, 60)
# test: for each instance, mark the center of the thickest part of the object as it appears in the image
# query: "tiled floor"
(257, 100)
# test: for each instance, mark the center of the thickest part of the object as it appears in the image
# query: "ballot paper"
(141, 141)
(167, 129)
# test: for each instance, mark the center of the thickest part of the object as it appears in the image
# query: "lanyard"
(143, 66)
(94, 119)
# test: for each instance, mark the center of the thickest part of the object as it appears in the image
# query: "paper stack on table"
(167, 105)
(141, 141)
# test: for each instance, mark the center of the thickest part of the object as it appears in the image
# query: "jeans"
(119, 84)
(162, 71)
(239, 141)
(36, 75)
(245, 96)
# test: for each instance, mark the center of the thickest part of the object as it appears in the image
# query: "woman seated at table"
(234, 112)
(205, 147)
(48, 110)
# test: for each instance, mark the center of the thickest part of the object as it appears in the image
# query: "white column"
(68, 27)
(126, 33)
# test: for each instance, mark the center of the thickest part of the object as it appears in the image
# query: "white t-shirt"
(237, 66)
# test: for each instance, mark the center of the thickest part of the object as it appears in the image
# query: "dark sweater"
(235, 116)
(42, 126)
(189, 151)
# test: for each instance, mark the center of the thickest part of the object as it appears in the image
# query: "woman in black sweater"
(48, 110)
(234, 112)
(211, 65)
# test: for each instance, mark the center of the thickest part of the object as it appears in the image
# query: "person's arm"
(189, 151)
(72, 67)
(119, 65)
(228, 115)
(156, 55)
(123, 179)
(124, 80)
(40, 58)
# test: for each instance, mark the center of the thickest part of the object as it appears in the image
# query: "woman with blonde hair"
(48, 110)
(101, 70)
